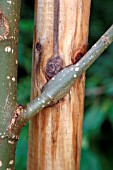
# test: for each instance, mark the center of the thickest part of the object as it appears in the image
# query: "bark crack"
(56, 29)
(55, 64)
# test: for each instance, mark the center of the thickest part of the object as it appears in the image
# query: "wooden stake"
(55, 133)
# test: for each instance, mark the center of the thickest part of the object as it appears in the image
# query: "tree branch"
(9, 24)
(60, 84)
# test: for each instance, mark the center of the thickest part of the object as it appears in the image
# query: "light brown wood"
(55, 134)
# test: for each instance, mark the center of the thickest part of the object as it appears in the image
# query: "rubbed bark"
(55, 133)
(9, 19)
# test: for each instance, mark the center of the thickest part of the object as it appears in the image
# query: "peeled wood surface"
(55, 133)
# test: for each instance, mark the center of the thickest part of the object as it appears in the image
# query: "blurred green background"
(97, 144)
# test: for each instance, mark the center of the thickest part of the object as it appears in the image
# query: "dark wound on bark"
(38, 54)
(54, 65)
(78, 55)
(56, 29)
(38, 46)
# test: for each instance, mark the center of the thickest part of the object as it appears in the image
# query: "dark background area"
(97, 143)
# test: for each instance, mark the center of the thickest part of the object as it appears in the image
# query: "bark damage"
(16, 122)
(4, 26)
(54, 65)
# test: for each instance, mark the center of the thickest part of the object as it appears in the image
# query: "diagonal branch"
(60, 84)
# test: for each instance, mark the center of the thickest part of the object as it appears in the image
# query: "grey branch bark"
(9, 25)
(60, 84)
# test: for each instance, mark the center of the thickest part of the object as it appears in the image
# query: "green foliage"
(98, 119)
(21, 151)
(93, 120)
(24, 86)
(24, 76)
(97, 143)
(90, 160)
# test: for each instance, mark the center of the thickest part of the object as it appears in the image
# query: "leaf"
(93, 120)
(89, 160)
(24, 86)
(21, 150)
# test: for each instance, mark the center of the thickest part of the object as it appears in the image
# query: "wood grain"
(55, 134)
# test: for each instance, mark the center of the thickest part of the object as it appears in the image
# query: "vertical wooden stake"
(55, 133)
